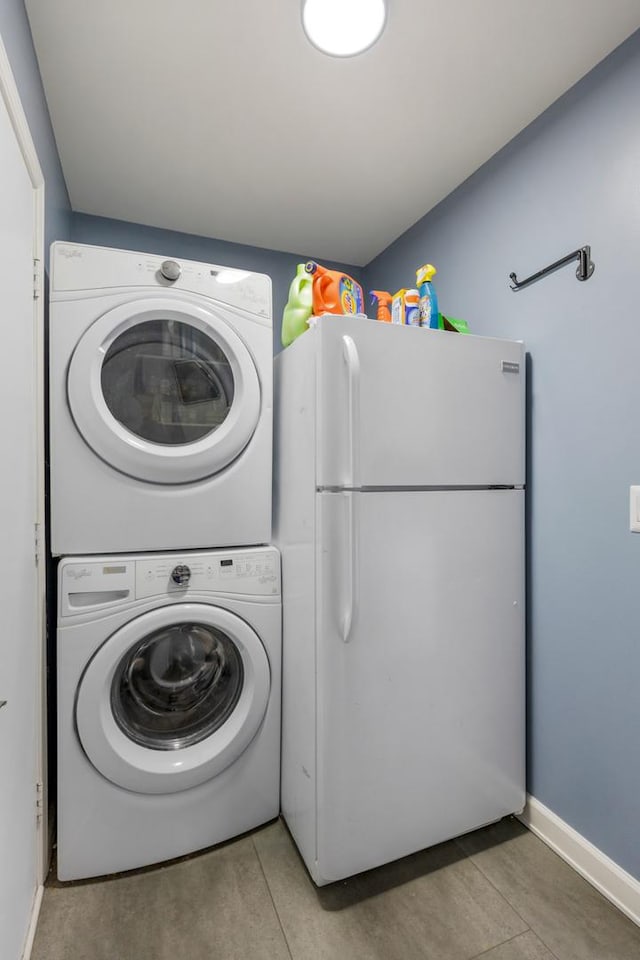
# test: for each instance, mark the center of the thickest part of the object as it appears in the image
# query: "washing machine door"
(173, 698)
(164, 391)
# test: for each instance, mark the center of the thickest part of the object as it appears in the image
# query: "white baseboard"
(604, 874)
(33, 923)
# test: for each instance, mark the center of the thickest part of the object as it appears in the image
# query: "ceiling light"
(343, 28)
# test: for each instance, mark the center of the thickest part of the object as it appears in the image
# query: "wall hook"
(585, 268)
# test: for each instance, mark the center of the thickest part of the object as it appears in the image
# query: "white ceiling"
(217, 117)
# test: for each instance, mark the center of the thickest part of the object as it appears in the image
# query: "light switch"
(634, 509)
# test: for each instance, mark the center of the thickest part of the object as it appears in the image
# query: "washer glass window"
(177, 686)
(167, 382)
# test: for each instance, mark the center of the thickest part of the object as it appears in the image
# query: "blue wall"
(572, 177)
(281, 267)
(16, 36)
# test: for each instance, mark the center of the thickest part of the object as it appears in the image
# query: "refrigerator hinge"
(37, 544)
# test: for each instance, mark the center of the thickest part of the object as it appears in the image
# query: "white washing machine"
(168, 704)
(160, 403)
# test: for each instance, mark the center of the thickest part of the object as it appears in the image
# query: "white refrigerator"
(399, 511)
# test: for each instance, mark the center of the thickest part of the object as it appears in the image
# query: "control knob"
(181, 574)
(170, 270)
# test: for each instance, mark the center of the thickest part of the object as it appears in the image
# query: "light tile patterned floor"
(498, 893)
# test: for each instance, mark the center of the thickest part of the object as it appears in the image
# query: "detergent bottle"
(295, 319)
(428, 306)
(382, 299)
(334, 292)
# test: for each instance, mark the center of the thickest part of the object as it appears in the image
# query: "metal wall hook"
(585, 268)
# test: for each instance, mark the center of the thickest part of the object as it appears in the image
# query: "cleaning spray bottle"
(295, 319)
(382, 299)
(428, 306)
(333, 291)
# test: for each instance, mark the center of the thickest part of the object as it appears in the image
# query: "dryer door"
(164, 391)
(173, 698)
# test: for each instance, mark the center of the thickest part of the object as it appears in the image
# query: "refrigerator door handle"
(351, 611)
(352, 360)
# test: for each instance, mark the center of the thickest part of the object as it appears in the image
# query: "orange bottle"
(334, 292)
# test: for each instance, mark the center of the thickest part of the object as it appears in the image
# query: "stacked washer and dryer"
(169, 599)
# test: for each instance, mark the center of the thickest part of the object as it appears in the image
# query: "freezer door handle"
(352, 360)
(353, 586)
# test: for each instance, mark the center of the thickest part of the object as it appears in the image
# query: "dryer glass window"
(167, 382)
(177, 686)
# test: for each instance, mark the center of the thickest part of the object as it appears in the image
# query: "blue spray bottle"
(428, 304)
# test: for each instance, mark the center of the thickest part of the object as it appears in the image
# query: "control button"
(181, 574)
(170, 270)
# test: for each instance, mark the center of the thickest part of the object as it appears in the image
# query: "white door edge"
(11, 98)
(33, 923)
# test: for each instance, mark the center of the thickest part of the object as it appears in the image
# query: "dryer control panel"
(78, 266)
(104, 582)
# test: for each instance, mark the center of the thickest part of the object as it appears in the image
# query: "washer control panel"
(253, 572)
(103, 583)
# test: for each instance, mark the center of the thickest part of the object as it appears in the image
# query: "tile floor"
(498, 893)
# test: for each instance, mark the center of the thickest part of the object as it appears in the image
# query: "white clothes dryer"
(169, 672)
(160, 403)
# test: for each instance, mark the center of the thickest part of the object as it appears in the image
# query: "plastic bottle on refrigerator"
(333, 291)
(295, 319)
(428, 305)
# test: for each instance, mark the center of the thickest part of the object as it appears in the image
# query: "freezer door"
(420, 660)
(404, 406)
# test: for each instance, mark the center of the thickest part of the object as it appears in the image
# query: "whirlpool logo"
(78, 573)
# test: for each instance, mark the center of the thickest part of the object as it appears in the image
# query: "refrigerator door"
(420, 671)
(405, 406)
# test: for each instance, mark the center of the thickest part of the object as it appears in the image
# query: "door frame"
(11, 97)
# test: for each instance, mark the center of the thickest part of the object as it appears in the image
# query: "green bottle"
(295, 319)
